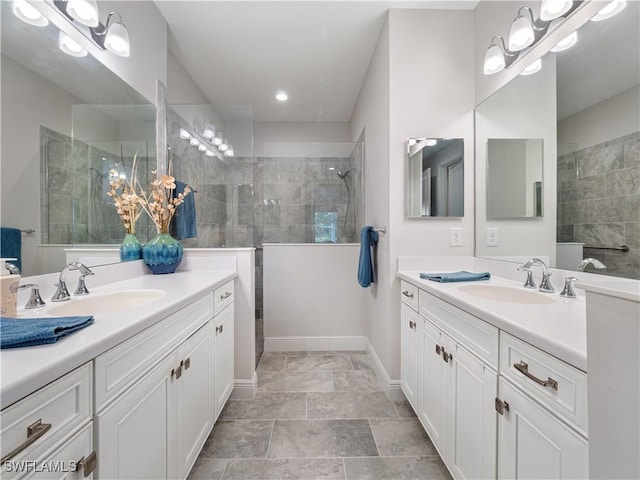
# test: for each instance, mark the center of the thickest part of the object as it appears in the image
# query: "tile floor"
(318, 415)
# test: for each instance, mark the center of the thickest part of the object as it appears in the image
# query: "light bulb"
(566, 43)
(521, 34)
(533, 68)
(84, 11)
(70, 46)
(209, 153)
(209, 131)
(116, 39)
(28, 14)
(194, 141)
(217, 139)
(552, 9)
(229, 152)
(613, 8)
(224, 145)
(184, 134)
(493, 60)
(202, 148)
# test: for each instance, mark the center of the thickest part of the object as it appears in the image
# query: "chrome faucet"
(590, 261)
(62, 293)
(545, 283)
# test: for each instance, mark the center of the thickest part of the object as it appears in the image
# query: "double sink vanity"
(497, 375)
(135, 394)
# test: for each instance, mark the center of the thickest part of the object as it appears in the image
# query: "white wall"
(586, 128)
(181, 88)
(311, 291)
(525, 108)
(302, 139)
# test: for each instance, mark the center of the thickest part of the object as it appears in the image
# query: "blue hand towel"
(366, 270)
(26, 332)
(461, 276)
(11, 245)
(184, 222)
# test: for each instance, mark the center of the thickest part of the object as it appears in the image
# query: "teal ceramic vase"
(162, 254)
(130, 248)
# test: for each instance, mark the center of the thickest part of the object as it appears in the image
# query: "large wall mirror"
(435, 180)
(66, 121)
(584, 107)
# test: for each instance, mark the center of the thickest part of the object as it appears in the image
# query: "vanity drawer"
(529, 367)
(473, 333)
(61, 407)
(222, 296)
(409, 294)
(119, 367)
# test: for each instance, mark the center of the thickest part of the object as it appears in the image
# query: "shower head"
(345, 174)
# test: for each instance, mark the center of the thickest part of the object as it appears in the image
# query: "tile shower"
(599, 202)
(247, 201)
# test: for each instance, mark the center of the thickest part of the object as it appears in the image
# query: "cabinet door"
(194, 399)
(409, 349)
(472, 418)
(432, 384)
(224, 351)
(535, 444)
(136, 433)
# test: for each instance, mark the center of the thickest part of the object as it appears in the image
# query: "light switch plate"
(493, 239)
(456, 237)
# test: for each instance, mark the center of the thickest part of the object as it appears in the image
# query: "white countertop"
(24, 370)
(558, 328)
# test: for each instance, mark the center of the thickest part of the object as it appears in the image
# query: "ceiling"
(241, 52)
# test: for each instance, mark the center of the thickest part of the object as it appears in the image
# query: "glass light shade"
(209, 153)
(229, 152)
(217, 139)
(430, 142)
(209, 131)
(202, 148)
(70, 46)
(493, 60)
(84, 11)
(552, 9)
(613, 8)
(116, 39)
(184, 134)
(535, 67)
(566, 43)
(521, 34)
(224, 146)
(28, 14)
(194, 141)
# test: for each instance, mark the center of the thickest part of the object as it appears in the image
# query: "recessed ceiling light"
(282, 96)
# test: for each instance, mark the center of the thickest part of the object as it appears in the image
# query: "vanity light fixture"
(566, 43)
(552, 9)
(193, 141)
(28, 14)
(613, 8)
(282, 96)
(497, 56)
(224, 146)
(209, 153)
(217, 139)
(209, 131)
(229, 152)
(525, 30)
(184, 134)
(84, 11)
(70, 46)
(112, 36)
(202, 148)
(535, 67)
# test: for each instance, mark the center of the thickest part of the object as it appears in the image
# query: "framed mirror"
(66, 121)
(435, 177)
(514, 177)
(584, 104)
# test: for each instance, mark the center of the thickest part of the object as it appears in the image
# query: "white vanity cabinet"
(456, 393)
(409, 340)
(223, 335)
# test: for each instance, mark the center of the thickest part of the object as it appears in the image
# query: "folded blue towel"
(26, 332)
(456, 276)
(366, 270)
(184, 222)
(11, 245)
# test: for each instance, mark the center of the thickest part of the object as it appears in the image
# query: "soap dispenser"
(9, 283)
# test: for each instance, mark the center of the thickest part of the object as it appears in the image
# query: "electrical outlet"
(493, 239)
(456, 237)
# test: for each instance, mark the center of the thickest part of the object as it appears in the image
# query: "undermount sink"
(101, 303)
(500, 293)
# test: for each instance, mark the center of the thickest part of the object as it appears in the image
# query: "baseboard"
(392, 388)
(245, 389)
(313, 344)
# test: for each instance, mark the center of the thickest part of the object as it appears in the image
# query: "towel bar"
(381, 229)
(28, 231)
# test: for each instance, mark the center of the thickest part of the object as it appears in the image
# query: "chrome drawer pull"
(225, 296)
(446, 356)
(219, 329)
(34, 432)
(412, 325)
(88, 464)
(438, 349)
(523, 368)
(407, 294)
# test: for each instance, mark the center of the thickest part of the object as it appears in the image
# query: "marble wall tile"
(567, 168)
(401, 436)
(322, 438)
(349, 405)
(299, 234)
(297, 214)
(245, 194)
(591, 187)
(238, 439)
(314, 381)
(594, 160)
(573, 213)
(273, 234)
(632, 234)
(567, 191)
(614, 209)
(290, 469)
(564, 233)
(622, 264)
(600, 234)
(632, 154)
(623, 182)
(267, 405)
(396, 468)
